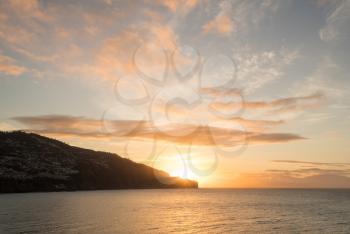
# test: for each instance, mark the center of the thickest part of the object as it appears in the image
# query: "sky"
(231, 93)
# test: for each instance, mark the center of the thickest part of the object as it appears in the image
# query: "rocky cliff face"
(30, 162)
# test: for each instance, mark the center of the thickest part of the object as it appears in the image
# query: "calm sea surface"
(174, 211)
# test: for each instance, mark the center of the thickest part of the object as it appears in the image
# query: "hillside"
(30, 162)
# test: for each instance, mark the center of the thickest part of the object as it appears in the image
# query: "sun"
(175, 165)
(177, 173)
(184, 174)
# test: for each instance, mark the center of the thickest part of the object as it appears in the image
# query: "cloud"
(328, 79)
(257, 125)
(255, 70)
(201, 114)
(116, 53)
(8, 66)
(238, 16)
(304, 174)
(277, 106)
(290, 104)
(311, 163)
(179, 5)
(275, 137)
(326, 2)
(222, 23)
(249, 15)
(218, 106)
(63, 126)
(43, 33)
(337, 21)
(322, 79)
(140, 48)
(284, 180)
(22, 26)
(227, 107)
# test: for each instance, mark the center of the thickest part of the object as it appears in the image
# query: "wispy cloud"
(290, 104)
(285, 180)
(255, 70)
(222, 23)
(180, 6)
(249, 15)
(41, 33)
(198, 135)
(337, 21)
(282, 105)
(257, 125)
(9, 66)
(148, 40)
(303, 174)
(322, 79)
(311, 163)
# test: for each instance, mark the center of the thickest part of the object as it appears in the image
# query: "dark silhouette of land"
(32, 163)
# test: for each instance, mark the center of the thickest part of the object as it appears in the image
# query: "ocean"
(178, 211)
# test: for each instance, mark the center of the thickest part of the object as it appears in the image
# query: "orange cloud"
(9, 67)
(311, 163)
(305, 174)
(29, 8)
(222, 24)
(276, 106)
(257, 125)
(205, 136)
(143, 46)
(182, 5)
(284, 180)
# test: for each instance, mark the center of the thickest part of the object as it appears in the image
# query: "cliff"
(30, 163)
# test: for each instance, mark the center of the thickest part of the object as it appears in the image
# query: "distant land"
(34, 163)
